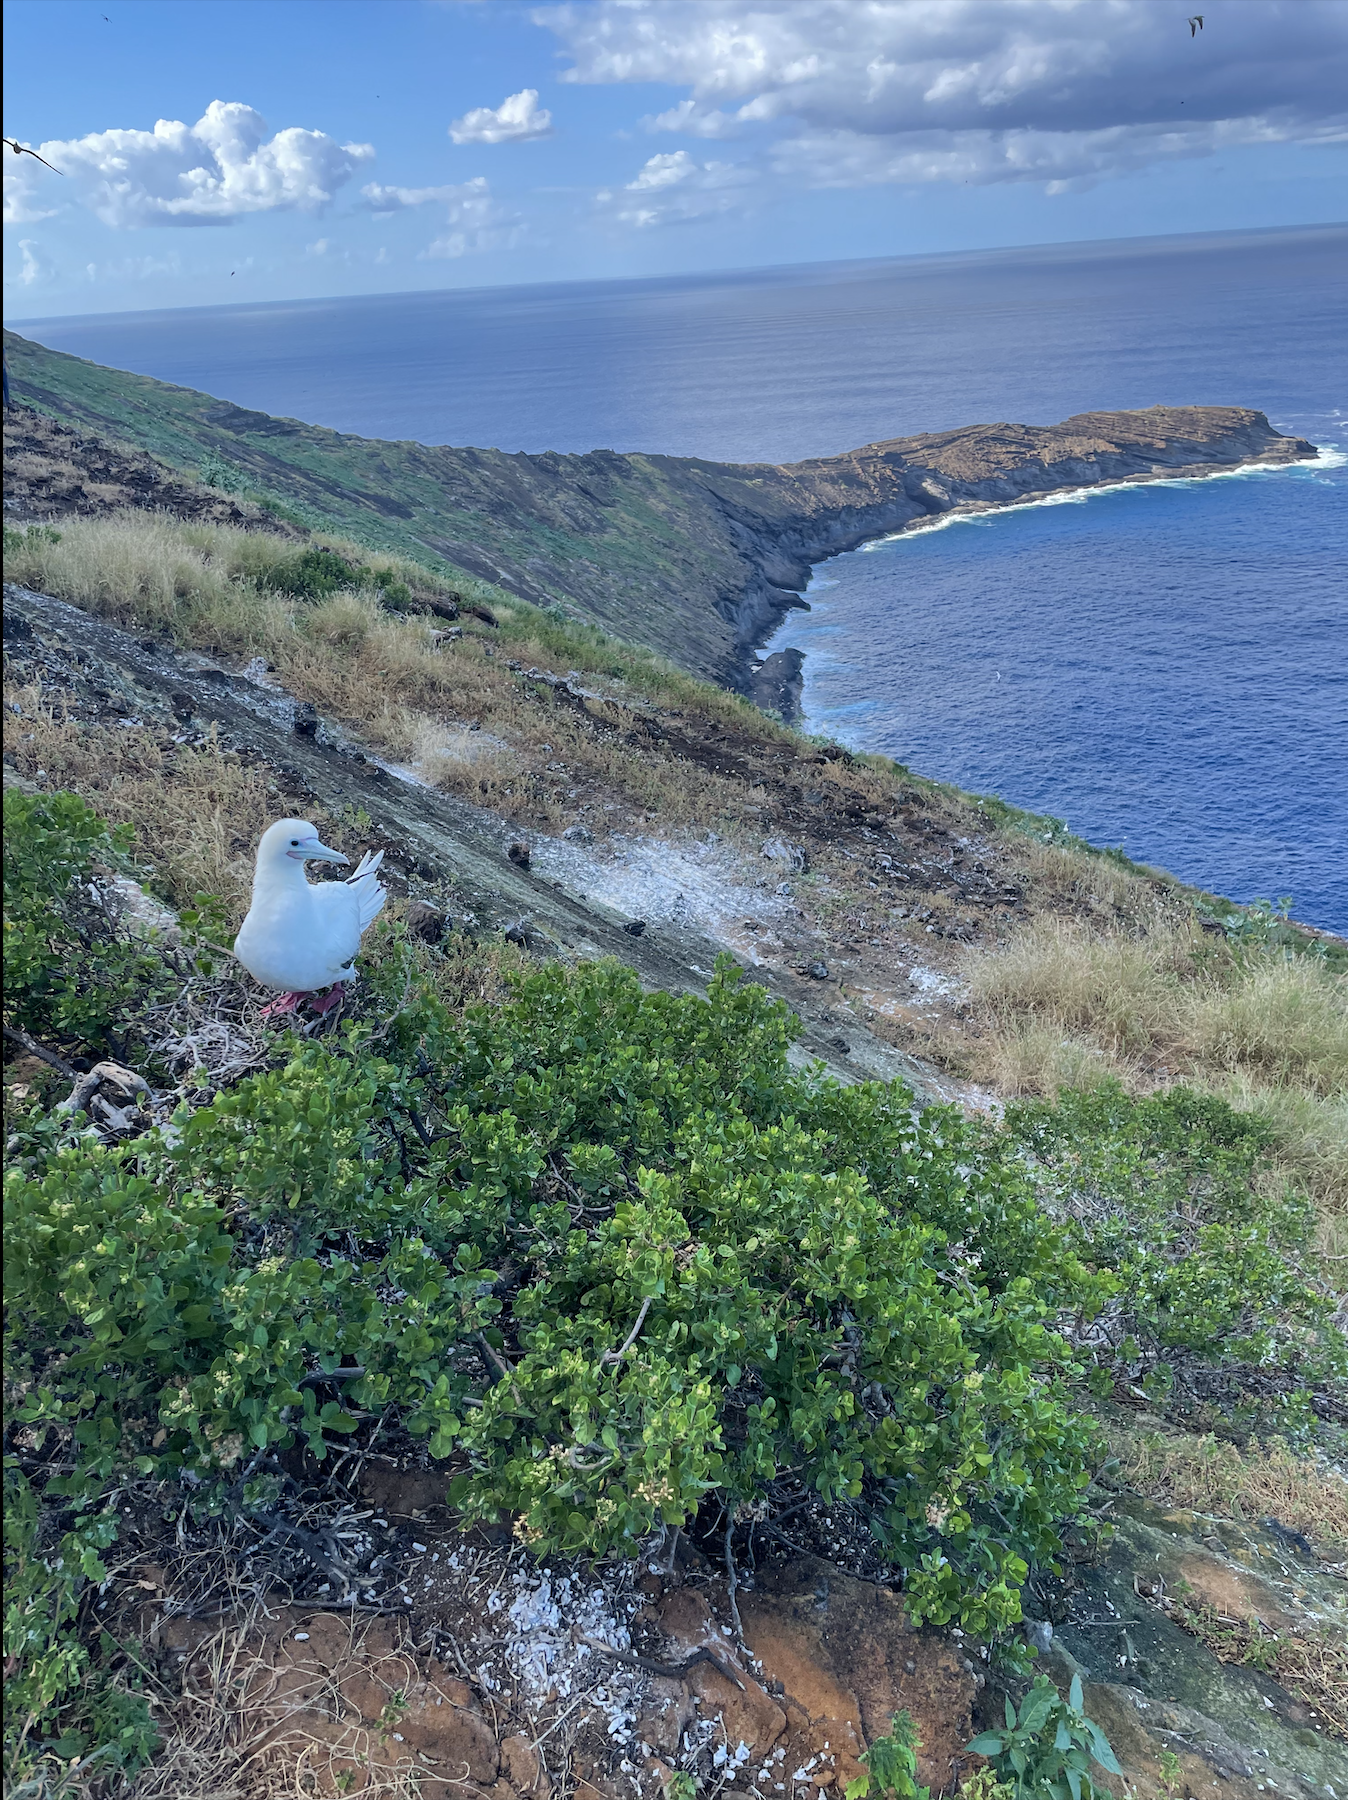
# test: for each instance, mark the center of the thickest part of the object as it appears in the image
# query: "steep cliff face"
(784, 519)
(699, 560)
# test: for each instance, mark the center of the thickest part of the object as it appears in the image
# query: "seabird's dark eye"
(294, 843)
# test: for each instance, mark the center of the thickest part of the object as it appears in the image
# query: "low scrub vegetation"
(1152, 998)
(608, 1254)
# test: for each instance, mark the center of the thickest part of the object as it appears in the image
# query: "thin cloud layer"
(204, 174)
(1064, 92)
(518, 118)
(673, 189)
(474, 220)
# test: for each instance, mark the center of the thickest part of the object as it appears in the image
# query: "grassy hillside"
(610, 536)
(530, 1238)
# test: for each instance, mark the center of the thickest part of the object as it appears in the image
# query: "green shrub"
(310, 574)
(1046, 1750)
(215, 472)
(603, 1160)
(396, 593)
(67, 971)
(57, 1696)
(1213, 1264)
(607, 1251)
(18, 538)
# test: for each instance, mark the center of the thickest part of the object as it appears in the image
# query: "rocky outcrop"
(847, 1658)
(699, 560)
(783, 520)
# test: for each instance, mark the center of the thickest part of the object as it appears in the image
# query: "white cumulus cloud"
(674, 189)
(24, 180)
(518, 118)
(696, 120)
(33, 268)
(379, 199)
(204, 174)
(1063, 92)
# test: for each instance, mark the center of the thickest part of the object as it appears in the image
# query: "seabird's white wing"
(337, 922)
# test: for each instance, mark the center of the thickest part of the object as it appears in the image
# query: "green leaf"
(1104, 1753)
(988, 1743)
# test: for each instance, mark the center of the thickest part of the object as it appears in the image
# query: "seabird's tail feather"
(370, 894)
(368, 865)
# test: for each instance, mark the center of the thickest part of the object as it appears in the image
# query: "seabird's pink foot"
(322, 1004)
(283, 1003)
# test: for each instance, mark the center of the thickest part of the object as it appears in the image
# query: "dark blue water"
(1171, 658)
(1164, 666)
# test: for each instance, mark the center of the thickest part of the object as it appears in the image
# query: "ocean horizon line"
(1101, 249)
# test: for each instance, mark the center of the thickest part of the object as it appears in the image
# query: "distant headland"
(699, 560)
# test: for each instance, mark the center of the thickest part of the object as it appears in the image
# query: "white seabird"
(301, 937)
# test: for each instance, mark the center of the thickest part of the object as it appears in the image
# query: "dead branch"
(14, 1034)
(616, 1356)
(671, 1671)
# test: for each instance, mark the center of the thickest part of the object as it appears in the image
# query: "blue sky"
(318, 147)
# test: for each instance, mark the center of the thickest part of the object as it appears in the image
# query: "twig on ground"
(671, 1671)
(732, 1582)
(321, 1554)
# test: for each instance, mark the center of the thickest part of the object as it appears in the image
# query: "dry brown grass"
(1209, 1476)
(250, 1722)
(1062, 1002)
(1119, 986)
(197, 813)
(1087, 884)
(397, 679)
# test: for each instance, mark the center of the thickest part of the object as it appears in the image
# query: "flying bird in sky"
(23, 150)
(1195, 25)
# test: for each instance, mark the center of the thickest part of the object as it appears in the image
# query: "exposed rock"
(794, 857)
(748, 1712)
(1238, 1722)
(666, 1715)
(525, 1768)
(778, 682)
(425, 921)
(849, 1655)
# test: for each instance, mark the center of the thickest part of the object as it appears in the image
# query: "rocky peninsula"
(696, 559)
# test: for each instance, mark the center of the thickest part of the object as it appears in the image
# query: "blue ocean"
(1164, 667)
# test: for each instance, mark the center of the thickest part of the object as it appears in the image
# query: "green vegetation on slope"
(607, 1253)
(624, 540)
